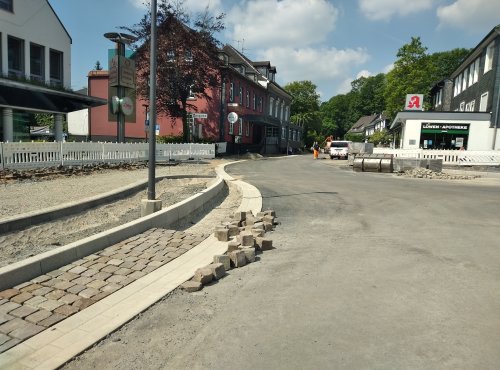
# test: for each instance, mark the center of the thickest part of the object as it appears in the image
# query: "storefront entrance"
(444, 136)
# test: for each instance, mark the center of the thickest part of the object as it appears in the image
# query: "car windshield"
(339, 144)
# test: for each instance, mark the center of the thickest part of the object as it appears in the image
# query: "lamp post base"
(150, 206)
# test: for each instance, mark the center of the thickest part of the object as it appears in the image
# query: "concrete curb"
(67, 209)
(58, 344)
(32, 267)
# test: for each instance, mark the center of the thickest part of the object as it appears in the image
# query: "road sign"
(199, 115)
(232, 117)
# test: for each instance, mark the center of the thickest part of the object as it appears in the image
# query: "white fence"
(450, 157)
(32, 155)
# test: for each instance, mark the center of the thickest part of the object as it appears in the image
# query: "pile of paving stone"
(245, 234)
(37, 174)
(424, 173)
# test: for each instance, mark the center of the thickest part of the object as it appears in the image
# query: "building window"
(472, 105)
(462, 106)
(15, 56)
(231, 128)
(271, 104)
(455, 87)
(37, 58)
(471, 74)
(240, 126)
(192, 95)
(464, 80)
(6, 5)
(231, 92)
(247, 129)
(248, 99)
(483, 103)
(476, 71)
(283, 135)
(170, 55)
(56, 67)
(188, 55)
(254, 102)
(241, 95)
(488, 61)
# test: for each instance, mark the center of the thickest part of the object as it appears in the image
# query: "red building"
(247, 88)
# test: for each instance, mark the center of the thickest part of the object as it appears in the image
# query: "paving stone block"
(51, 320)
(42, 291)
(69, 298)
(64, 285)
(225, 260)
(258, 233)
(222, 234)
(8, 293)
(5, 317)
(111, 287)
(88, 293)
(203, 275)
(110, 268)
(249, 254)
(218, 270)
(101, 275)
(11, 325)
(21, 286)
(77, 270)
(268, 219)
(50, 283)
(55, 273)
(127, 264)
(149, 269)
(35, 301)
(9, 344)
(50, 304)
(68, 276)
(96, 284)
(191, 286)
(83, 280)
(115, 262)
(270, 212)
(41, 279)
(116, 279)
(239, 216)
(76, 289)
(26, 331)
(247, 239)
(136, 275)
(98, 266)
(264, 244)
(66, 268)
(268, 226)
(66, 310)
(38, 316)
(90, 272)
(4, 338)
(23, 311)
(233, 245)
(8, 306)
(83, 303)
(55, 294)
(100, 296)
(31, 287)
(233, 230)
(238, 258)
(20, 298)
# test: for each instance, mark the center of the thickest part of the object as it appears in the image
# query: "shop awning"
(261, 120)
(25, 96)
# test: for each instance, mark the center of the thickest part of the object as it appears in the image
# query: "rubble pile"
(245, 235)
(424, 173)
(47, 173)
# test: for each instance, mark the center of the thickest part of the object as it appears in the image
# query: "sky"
(328, 42)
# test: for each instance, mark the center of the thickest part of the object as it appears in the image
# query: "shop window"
(37, 58)
(56, 67)
(15, 56)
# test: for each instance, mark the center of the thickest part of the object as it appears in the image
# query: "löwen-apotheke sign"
(450, 128)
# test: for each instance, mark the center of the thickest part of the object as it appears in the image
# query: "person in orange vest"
(316, 150)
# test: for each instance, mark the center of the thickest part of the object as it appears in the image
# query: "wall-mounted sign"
(414, 102)
(232, 117)
(200, 115)
(127, 106)
(450, 128)
(122, 72)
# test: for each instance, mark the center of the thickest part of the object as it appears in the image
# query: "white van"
(339, 149)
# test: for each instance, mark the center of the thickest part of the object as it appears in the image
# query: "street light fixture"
(121, 39)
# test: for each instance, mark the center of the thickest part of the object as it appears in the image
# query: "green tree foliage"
(357, 138)
(442, 64)
(304, 110)
(383, 138)
(187, 55)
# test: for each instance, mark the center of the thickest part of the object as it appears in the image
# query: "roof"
(362, 123)
(61, 23)
(431, 115)
(25, 96)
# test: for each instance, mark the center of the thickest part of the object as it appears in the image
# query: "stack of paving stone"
(245, 234)
(424, 173)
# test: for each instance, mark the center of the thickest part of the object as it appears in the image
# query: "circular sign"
(232, 117)
(127, 106)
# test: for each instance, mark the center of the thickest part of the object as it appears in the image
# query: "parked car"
(339, 149)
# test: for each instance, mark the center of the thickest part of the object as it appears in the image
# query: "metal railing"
(33, 155)
(449, 157)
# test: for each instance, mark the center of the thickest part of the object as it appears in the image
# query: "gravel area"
(26, 196)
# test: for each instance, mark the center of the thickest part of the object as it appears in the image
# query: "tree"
(97, 66)
(188, 55)
(305, 108)
(380, 138)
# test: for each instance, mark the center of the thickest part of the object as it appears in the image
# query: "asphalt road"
(370, 271)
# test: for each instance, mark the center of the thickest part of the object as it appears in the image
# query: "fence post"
(61, 152)
(1, 157)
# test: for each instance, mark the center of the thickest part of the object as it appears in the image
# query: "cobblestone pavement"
(33, 306)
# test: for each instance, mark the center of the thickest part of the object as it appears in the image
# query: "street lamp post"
(120, 39)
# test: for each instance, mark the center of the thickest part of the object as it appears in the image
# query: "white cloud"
(386, 9)
(191, 6)
(296, 23)
(471, 15)
(141, 4)
(323, 66)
